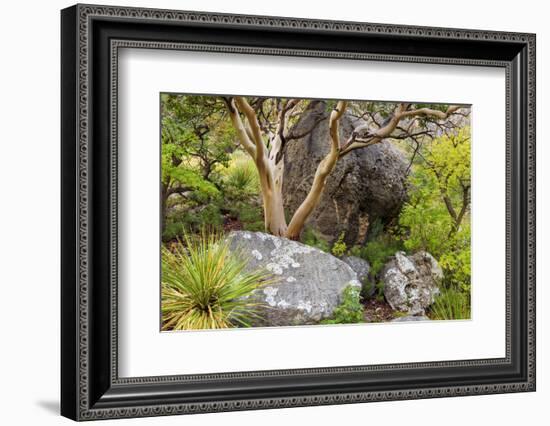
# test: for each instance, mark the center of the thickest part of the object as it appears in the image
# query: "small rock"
(362, 269)
(411, 282)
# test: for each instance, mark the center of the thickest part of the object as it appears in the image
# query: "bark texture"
(267, 147)
(366, 185)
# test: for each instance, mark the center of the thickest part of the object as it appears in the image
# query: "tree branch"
(431, 112)
(244, 135)
(252, 120)
(401, 111)
(177, 190)
(465, 205)
(293, 135)
(323, 170)
(449, 205)
(282, 116)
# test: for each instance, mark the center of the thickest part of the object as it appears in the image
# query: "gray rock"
(362, 269)
(309, 282)
(367, 184)
(411, 318)
(411, 282)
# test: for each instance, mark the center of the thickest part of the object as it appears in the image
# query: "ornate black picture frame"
(91, 36)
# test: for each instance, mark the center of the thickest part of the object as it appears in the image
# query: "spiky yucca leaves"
(241, 176)
(205, 286)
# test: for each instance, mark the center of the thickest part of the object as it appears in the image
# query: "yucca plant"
(242, 176)
(205, 286)
(451, 305)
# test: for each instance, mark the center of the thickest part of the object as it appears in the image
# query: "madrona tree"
(264, 127)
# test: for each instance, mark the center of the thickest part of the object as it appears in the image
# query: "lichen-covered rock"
(362, 269)
(309, 282)
(367, 184)
(411, 282)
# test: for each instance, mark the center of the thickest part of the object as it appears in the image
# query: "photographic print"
(285, 212)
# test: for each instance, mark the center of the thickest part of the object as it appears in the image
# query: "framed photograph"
(263, 212)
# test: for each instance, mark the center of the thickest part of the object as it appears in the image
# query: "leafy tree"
(196, 137)
(448, 160)
(436, 218)
(198, 125)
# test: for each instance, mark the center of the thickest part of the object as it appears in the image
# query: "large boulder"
(309, 282)
(411, 282)
(367, 184)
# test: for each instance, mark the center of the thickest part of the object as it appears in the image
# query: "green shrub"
(254, 226)
(339, 248)
(312, 238)
(456, 262)
(240, 177)
(428, 225)
(451, 305)
(436, 218)
(172, 230)
(430, 228)
(205, 286)
(376, 228)
(249, 214)
(193, 220)
(368, 287)
(378, 251)
(209, 217)
(350, 310)
(380, 291)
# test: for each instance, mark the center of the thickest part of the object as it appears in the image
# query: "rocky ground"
(378, 311)
(309, 283)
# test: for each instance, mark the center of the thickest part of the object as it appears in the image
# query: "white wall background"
(29, 212)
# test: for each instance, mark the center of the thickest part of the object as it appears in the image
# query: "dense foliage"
(206, 179)
(377, 251)
(437, 216)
